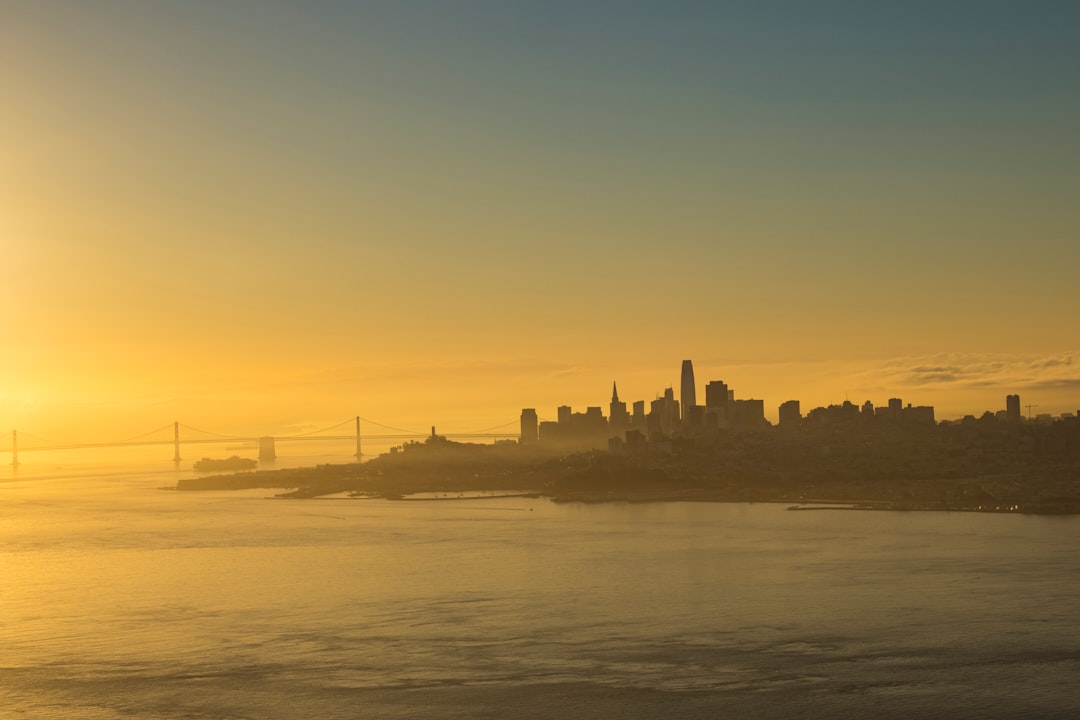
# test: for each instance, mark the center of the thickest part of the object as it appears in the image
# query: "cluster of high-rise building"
(895, 411)
(666, 417)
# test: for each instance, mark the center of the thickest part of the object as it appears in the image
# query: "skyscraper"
(1012, 408)
(618, 417)
(529, 426)
(669, 420)
(717, 404)
(688, 396)
(716, 394)
(790, 415)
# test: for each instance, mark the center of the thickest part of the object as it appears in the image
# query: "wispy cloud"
(959, 371)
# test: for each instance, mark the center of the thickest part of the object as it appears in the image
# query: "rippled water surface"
(120, 600)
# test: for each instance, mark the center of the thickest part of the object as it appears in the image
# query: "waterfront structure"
(267, 453)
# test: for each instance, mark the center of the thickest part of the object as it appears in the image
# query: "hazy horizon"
(265, 217)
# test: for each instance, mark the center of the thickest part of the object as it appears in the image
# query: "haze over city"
(269, 216)
(539, 359)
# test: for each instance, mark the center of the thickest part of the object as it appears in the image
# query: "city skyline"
(276, 215)
(539, 359)
(726, 410)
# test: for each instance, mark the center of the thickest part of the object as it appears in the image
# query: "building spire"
(614, 392)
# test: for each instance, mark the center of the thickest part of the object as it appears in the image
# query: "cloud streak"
(970, 371)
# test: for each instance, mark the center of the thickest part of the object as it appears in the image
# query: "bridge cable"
(115, 442)
(390, 427)
(207, 432)
(34, 437)
(497, 427)
(152, 432)
(316, 432)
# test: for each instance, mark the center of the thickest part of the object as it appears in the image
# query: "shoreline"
(703, 497)
(439, 470)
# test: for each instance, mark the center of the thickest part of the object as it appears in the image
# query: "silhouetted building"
(530, 428)
(551, 431)
(1012, 408)
(924, 415)
(669, 412)
(688, 391)
(639, 415)
(694, 419)
(896, 408)
(589, 428)
(654, 424)
(749, 414)
(717, 398)
(790, 414)
(617, 417)
(844, 415)
(716, 394)
(868, 410)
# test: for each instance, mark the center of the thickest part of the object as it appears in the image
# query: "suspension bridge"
(267, 443)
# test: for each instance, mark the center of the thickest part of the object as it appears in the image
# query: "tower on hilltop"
(688, 396)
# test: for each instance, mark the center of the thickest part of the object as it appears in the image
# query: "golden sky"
(264, 217)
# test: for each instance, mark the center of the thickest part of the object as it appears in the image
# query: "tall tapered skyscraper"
(688, 397)
(618, 417)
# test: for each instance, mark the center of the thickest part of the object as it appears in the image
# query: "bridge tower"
(176, 442)
(358, 453)
(15, 449)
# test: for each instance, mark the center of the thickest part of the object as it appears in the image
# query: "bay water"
(121, 598)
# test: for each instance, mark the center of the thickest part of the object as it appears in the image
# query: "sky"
(265, 217)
